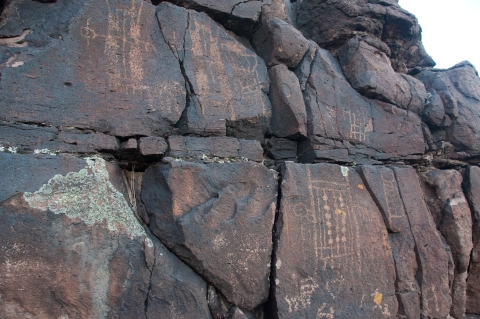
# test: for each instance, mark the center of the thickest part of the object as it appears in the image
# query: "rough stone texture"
(86, 258)
(238, 15)
(382, 185)
(457, 89)
(331, 23)
(282, 149)
(227, 81)
(369, 71)
(455, 226)
(218, 218)
(289, 116)
(345, 127)
(432, 254)
(471, 186)
(278, 42)
(152, 146)
(333, 258)
(102, 66)
(281, 9)
(225, 148)
(176, 291)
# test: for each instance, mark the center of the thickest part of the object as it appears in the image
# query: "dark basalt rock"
(345, 127)
(457, 90)
(101, 72)
(331, 23)
(471, 186)
(333, 258)
(218, 219)
(227, 81)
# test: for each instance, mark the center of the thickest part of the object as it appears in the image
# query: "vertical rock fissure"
(150, 281)
(271, 311)
(419, 273)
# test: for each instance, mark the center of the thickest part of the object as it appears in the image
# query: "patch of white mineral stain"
(344, 171)
(88, 195)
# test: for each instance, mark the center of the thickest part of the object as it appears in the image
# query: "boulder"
(99, 66)
(333, 258)
(471, 186)
(217, 218)
(227, 82)
(289, 116)
(456, 89)
(278, 42)
(331, 23)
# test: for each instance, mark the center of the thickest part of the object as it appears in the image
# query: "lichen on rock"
(88, 195)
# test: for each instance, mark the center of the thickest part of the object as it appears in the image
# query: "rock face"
(331, 23)
(332, 239)
(253, 159)
(227, 81)
(455, 100)
(228, 211)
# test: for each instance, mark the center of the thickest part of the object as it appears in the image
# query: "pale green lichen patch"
(88, 195)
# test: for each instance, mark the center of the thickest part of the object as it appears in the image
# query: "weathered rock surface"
(471, 187)
(455, 226)
(151, 166)
(457, 90)
(369, 71)
(227, 82)
(345, 127)
(333, 258)
(218, 218)
(332, 23)
(278, 42)
(102, 66)
(237, 15)
(432, 254)
(65, 229)
(382, 185)
(289, 117)
(209, 148)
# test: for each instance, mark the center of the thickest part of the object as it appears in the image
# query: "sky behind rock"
(450, 29)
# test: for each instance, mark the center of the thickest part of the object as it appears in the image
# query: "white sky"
(451, 29)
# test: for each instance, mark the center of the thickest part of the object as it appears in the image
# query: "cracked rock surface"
(247, 159)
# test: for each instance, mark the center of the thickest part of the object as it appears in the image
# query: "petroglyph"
(359, 122)
(328, 315)
(303, 299)
(125, 46)
(392, 197)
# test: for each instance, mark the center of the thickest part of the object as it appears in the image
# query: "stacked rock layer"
(234, 159)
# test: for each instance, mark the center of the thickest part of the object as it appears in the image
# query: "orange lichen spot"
(378, 298)
(360, 186)
(339, 211)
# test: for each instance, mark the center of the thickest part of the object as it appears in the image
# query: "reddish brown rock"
(332, 23)
(281, 9)
(102, 66)
(152, 146)
(227, 81)
(278, 42)
(289, 116)
(471, 186)
(333, 258)
(218, 219)
(432, 255)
